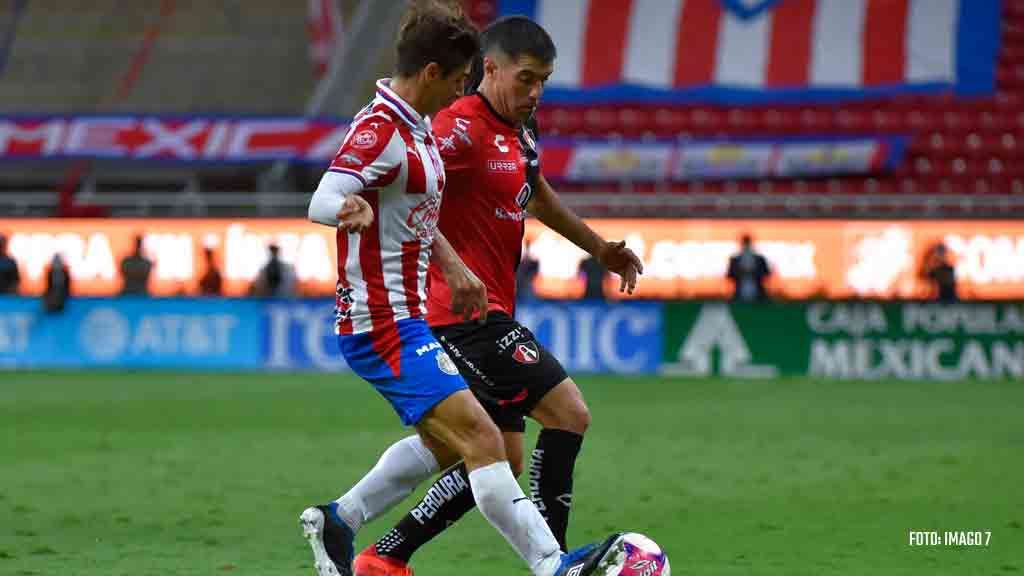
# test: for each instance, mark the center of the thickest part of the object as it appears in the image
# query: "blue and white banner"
(131, 333)
(623, 338)
(744, 51)
(235, 334)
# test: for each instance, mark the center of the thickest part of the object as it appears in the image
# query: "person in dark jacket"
(748, 272)
(58, 285)
(10, 279)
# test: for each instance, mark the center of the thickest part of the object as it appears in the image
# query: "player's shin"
(400, 469)
(444, 504)
(512, 513)
(551, 478)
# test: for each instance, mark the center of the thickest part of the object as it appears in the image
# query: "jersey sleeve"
(370, 157)
(372, 152)
(454, 140)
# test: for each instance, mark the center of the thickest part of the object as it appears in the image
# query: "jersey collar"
(392, 100)
(494, 112)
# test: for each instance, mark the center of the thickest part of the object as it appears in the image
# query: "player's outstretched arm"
(469, 295)
(549, 209)
(337, 203)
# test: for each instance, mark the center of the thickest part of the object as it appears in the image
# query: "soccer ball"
(640, 556)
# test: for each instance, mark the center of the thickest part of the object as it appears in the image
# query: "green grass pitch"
(159, 474)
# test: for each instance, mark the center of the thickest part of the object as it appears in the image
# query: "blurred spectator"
(9, 276)
(135, 270)
(593, 275)
(276, 279)
(525, 275)
(58, 285)
(941, 273)
(748, 271)
(211, 284)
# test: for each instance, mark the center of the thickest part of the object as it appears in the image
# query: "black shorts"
(504, 365)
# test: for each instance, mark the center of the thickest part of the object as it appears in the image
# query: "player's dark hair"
(518, 35)
(435, 31)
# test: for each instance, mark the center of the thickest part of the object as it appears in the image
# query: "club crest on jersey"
(526, 353)
(445, 364)
(364, 139)
(524, 195)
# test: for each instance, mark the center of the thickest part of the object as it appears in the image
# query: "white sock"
(400, 469)
(502, 502)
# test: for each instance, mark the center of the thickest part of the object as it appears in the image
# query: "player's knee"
(574, 417)
(485, 441)
(581, 419)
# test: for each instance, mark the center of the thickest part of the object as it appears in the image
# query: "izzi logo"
(715, 345)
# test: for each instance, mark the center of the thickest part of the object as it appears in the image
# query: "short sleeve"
(454, 140)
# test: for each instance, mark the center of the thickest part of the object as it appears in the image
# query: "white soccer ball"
(638, 555)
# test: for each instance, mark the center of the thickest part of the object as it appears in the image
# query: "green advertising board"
(845, 340)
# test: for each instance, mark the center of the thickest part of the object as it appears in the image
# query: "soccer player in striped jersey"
(383, 194)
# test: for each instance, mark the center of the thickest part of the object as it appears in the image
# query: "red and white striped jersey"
(382, 273)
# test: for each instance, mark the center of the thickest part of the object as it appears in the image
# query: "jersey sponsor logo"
(507, 166)
(444, 362)
(509, 339)
(466, 361)
(423, 217)
(575, 570)
(427, 348)
(502, 214)
(364, 139)
(526, 353)
(498, 139)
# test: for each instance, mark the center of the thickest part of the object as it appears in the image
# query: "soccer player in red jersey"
(382, 192)
(488, 142)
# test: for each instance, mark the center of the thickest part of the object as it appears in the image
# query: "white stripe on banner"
(742, 50)
(837, 57)
(651, 43)
(932, 40)
(565, 21)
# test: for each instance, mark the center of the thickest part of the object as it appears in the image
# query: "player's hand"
(355, 215)
(621, 260)
(469, 295)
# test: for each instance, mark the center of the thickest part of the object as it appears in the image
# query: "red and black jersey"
(492, 167)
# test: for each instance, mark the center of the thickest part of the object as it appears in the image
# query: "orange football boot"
(369, 563)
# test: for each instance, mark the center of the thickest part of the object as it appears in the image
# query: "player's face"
(445, 89)
(521, 83)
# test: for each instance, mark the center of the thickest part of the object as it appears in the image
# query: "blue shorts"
(406, 364)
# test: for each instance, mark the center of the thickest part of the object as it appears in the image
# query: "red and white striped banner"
(822, 45)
